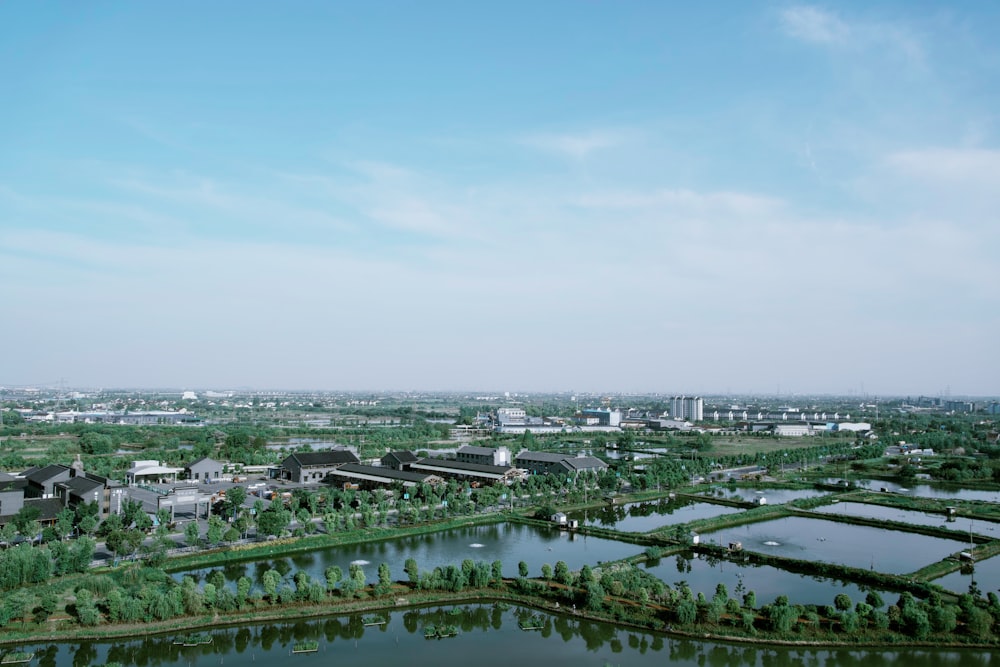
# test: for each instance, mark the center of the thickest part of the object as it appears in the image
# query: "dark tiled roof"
(546, 457)
(388, 473)
(42, 475)
(332, 457)
(477, 451)
(204, 459)
(48, 508)
(403, 456)
(11, 483)
(585, 463)
(81, 485)
(459, 466)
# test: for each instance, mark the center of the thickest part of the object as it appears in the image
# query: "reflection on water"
(702, 574)
(489, 637)
(891, 551)
(926, 490)
(986, 574)
(772, 496)
(915, 517)
(646, 516)
(508, 543)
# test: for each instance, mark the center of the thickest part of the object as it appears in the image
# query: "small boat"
(305, 647)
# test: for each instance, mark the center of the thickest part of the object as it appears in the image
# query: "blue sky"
(530, 196)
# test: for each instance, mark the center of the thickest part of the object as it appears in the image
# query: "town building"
(151, 472)
(603, 417)
(475, 472)
(400, 460)
(548, 463)
(204, 469)
(491, 456)
(370, 477)
(313, 467)
(690, 408)
(42, 481)
(11, 494)
(511, 416)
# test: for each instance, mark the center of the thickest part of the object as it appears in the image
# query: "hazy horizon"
(492, 392)
(764, 198)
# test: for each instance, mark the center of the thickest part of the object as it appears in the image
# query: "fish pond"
(890, 551)
(507, 542)
(703, 574)
(484, 635)
(929, 491)
(882, 512)
(646, 516)
(985, 573)
(771, 496)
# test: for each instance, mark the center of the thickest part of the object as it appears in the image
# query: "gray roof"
(478, 451)
(459, 466)
(585, 463)
(42, 475)
(388, 473)
(48, 508)
(330, 458)
(204, 459)
(11, 483)
(546, 457)
(403, 456)
(81, 485)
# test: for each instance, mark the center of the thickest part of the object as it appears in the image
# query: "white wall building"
(691, 408)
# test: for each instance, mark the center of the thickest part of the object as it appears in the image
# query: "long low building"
(468, 471)
(548, 463)
(313, 467)
(376, 476)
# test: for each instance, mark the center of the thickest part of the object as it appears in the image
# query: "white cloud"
(969, 168)
(735, 270)
(578, 146)
(818, 26)
(811, 24)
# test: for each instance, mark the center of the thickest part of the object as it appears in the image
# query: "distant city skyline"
(480, 393)
(620, 197)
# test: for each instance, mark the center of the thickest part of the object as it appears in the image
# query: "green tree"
(384, 579)
(686, 612)
(243, 585)
(191, 534)
(86, 609)
(357, 575)
(235, 497)
(843, 602)
(562, 573)
(412, 572)
(270, 580)
(216, 527)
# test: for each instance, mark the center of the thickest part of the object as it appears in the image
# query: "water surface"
(891, 551)
(488, 637)
(646, 516)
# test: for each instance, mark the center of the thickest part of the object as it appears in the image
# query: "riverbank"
(404, 597)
